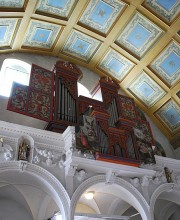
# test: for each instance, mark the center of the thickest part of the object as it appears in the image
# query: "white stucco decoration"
(6, 152)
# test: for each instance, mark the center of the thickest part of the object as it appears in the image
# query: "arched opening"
(82, 90)
(13, 70)
(109, 200)
(31, 194)
(165, 202)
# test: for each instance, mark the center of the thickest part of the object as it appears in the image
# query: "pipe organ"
(66, 103)
(122, 134)
(66, 109)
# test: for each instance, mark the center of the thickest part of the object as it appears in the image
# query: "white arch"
(162, 188)
(57, 190)
(11, 61)
(167, 211)
(139, 201)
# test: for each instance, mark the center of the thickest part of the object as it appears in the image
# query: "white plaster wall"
(89, 78)
(162, 139)
(177, 153)
(11, 210)
(176, 215)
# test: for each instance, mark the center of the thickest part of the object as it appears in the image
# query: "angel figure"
(90, 128)
(24, 151)
(168, 175)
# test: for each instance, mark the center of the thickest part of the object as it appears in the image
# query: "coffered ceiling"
(135, 42)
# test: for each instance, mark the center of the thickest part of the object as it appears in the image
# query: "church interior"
(89, 109)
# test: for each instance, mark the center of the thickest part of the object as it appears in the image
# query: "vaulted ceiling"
(135, 42)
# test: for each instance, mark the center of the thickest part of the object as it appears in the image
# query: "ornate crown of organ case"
(114, 130)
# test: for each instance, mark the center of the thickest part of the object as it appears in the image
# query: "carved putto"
(81, 175)
(135, 181)
(5, 150)
(48, 158)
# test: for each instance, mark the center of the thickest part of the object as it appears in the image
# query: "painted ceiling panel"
(41, 35)
(7, 31)
(12, 3)
(3, 30)
(167, 9)
(167, 64)
(169, 114)
(116, 64)
(57, 8)
(81, 46)
(146, 89)
(139, 35)
(101, 14)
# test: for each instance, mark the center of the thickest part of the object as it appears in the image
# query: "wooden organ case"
(123, 134)
(65, 111)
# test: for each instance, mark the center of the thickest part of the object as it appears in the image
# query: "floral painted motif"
(39, 105)
(18, 99)
(35, 100)
(127, 108)
(144, 127)
(41, 79)
(145, 152)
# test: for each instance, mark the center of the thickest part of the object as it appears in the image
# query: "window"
(83, 91)
(13, 70)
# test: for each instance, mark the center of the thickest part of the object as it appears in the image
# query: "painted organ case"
(122, 134)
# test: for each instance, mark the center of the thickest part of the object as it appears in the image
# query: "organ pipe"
(66, 104)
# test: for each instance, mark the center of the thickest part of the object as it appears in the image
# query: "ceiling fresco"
(7, 31)
(55, 8)
(12, 4)
(170, 115)
(116, 64)
(166, 10)
(139, 35)
(167, 64)
(100, 15)
(136, 42)
(41, 34)
(146, 89)
(81, 45)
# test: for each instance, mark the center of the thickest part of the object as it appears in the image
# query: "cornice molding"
(37, 134)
